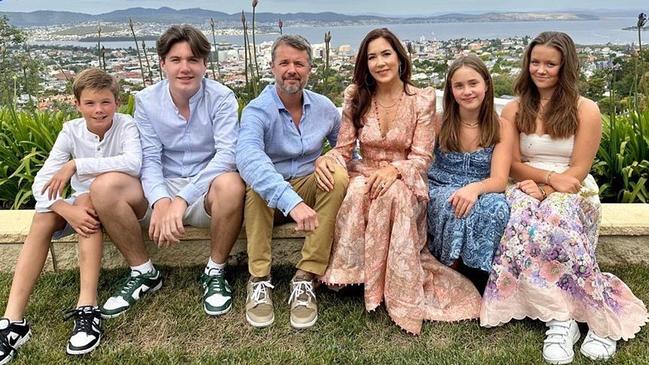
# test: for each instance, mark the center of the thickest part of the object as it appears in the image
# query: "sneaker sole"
(260, 324)
(300, 326)
(82, 352)
(8, 359)
(152, 290)
(217, 313)
(595, 357)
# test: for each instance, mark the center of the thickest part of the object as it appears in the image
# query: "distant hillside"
(167, 15)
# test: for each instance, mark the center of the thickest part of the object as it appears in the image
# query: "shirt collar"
(195, 98)
(306, 99)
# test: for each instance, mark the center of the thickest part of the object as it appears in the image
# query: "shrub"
(621, 166)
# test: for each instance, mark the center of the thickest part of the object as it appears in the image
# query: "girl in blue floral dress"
(545, 267)
(467, 212)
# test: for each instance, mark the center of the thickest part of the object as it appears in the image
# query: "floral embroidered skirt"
(545, 267)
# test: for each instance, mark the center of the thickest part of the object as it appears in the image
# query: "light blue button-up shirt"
(201, 148)
(272, 150)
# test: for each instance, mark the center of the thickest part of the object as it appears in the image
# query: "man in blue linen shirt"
(188, 129)
(281, 136)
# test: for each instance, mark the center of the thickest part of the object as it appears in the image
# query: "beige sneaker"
(304, 309)
(259, 303)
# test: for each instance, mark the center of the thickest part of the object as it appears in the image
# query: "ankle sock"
(145, 268)
(213, 265)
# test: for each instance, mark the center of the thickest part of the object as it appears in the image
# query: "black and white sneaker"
(86, 333)
(12, 336)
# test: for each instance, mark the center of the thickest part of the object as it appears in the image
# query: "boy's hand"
(160, 209)
(83, 220)
(57, 183)
(172, 222)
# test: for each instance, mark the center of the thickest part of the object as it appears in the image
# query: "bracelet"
(548, 176)
(543, 193)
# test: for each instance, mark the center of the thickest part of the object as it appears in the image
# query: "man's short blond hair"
(95, 79)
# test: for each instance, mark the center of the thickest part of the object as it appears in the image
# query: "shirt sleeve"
(225, 129)
(332, 137)
(152, 178)
(59, 155)
(256, 167)
(128, 161)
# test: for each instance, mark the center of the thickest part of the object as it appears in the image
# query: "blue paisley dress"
(473, 239)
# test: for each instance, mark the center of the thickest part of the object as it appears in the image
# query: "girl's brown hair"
(488, 122)
(560, 114)
(365, 83)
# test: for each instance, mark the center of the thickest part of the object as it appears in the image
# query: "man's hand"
(58, 182)
(83, 220)
(305, 217)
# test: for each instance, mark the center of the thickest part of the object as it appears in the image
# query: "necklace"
(389, 121)
(471, 124)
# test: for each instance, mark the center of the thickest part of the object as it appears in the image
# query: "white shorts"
(195, 215)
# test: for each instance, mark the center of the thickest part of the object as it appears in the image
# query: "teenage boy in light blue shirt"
(188, 128)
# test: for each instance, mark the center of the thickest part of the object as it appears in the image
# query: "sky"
(390, 7)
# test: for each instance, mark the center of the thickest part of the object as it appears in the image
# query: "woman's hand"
(564, 183)
(464, 198)
(380, 181)
(530, 188)
(324, 167)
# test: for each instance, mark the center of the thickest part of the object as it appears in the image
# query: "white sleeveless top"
(546, 153)
(543, 152)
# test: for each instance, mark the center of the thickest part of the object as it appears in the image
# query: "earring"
(400, 68)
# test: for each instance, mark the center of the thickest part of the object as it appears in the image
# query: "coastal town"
(136, 64)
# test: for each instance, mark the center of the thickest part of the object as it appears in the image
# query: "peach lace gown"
(381, 243)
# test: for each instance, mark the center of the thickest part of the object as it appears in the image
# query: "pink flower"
(551, 271)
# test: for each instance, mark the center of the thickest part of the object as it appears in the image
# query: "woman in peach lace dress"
(380, 237)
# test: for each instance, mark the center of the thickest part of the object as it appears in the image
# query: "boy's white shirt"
(119, 151)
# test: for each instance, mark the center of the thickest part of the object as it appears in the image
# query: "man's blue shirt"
(271, 150)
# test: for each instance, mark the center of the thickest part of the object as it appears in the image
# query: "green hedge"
(621, 167)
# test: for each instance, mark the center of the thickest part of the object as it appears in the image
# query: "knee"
(46, 222)
(341, 178)
(106, 184)
(228, 189)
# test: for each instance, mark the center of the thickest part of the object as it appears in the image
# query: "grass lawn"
(170, 327)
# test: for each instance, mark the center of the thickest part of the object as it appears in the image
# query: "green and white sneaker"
(136, 285)
(217, 293)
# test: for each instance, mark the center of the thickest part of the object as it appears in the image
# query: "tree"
(20, 72)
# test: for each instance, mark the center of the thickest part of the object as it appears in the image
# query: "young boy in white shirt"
(101, 141)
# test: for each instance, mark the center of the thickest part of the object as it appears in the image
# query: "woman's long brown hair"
(365, 83)
(488, 122)
(560, 115)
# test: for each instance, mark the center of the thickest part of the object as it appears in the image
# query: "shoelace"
(299, 288)
(213, 283)
(130, 282)
(83, 319)
(259, 294)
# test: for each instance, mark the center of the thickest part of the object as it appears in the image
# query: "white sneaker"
(561, 336)
(598, 348)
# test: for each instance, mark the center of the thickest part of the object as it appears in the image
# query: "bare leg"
(224, 201)
(119, 201)
(90, 250)
(30, 262)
